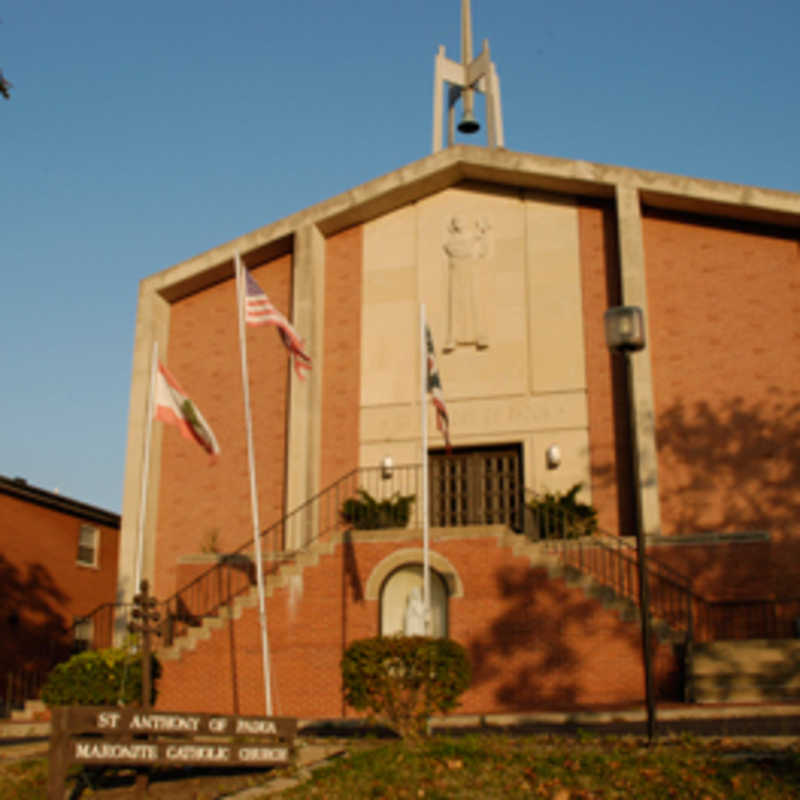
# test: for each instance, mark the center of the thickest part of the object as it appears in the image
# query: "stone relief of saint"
(466, 247)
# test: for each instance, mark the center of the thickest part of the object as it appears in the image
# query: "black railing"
(612, 561)
(369, 498)
(98, 629)
(18, 686)
(366, 497)
(757, 618)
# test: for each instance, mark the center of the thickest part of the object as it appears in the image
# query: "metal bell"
(468, 123)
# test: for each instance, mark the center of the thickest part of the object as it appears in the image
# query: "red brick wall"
(42, 587)
(341, 381)
(200, 502)
(534, 642)
(609, 432)
(723, 305)
(756, 570)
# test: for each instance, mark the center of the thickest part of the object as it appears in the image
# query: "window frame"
(83, 548)
(84, 625)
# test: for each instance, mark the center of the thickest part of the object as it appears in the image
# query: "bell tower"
(464, 78)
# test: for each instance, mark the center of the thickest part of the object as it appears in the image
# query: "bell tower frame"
(463, 78)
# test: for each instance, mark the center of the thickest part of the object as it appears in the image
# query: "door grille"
(476, 487)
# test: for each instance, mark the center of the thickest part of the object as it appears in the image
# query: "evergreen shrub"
(364, 512)
(559, 515)
(404, 679)
(98, 678)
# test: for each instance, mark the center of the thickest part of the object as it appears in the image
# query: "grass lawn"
(559, 768)
(499, 766)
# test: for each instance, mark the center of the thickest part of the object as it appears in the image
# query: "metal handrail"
(609, 558)
(612, 561)
(282, 542)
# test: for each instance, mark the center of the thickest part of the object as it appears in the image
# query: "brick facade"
(342, 361)
(204, 507)
(725, 350)
(607, 395)
(534, 642)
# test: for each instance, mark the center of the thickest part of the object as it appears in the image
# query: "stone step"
(33, 711)
(743, 688)
(747, 671)
(750, 656)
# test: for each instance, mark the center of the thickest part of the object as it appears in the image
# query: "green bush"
(97, 678)
(555, 515)
(405, 679)
(366, 513)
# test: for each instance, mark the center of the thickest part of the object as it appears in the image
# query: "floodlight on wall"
(387, 467)
(624, 328)
(552, 456)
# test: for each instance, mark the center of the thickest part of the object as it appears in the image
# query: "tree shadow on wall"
(554, 646)
(32, 630)
(730, 465)
(733, 466)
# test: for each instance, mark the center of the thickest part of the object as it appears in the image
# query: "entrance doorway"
(476, 486)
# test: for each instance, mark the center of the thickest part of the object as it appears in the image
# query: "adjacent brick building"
(58, 562)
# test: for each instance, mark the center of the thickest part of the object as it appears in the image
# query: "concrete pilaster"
(634, 293)
(305, 400)
(152, 324)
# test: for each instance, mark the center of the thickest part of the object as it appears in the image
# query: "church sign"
(115, 737)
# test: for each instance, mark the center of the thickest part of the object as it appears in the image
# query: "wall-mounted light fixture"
(552, 456)
(387, 467)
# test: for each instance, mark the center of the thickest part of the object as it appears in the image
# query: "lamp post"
(624, 326)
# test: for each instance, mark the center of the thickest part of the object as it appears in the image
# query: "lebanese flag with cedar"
(171, 405)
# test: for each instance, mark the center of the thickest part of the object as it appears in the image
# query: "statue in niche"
(466, 248)
(414, 616)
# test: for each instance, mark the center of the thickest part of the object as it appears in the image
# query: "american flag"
(435, 390)
(258, 310)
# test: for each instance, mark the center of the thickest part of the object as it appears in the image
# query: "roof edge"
(499, 166)
(22, 490)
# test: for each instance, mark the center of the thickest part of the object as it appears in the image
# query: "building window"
(82, 631)
(401, 598)
(88, 541)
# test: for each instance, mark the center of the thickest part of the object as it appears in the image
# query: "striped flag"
(171, 405)
(435, 390)
(258, 310)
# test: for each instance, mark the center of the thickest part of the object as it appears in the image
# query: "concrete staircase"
(627, 610)
(746, 671)
(519, 545)
(294, 566)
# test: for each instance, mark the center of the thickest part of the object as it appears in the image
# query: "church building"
(691, 441)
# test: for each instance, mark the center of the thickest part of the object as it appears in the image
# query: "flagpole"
(137, 574)
(426, 568)
(262, 609)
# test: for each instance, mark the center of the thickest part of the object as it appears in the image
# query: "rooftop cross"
(465, 78)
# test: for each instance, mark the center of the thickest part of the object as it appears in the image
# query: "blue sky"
(139, 135)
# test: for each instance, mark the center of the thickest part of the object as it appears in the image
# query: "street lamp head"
(624, 329)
